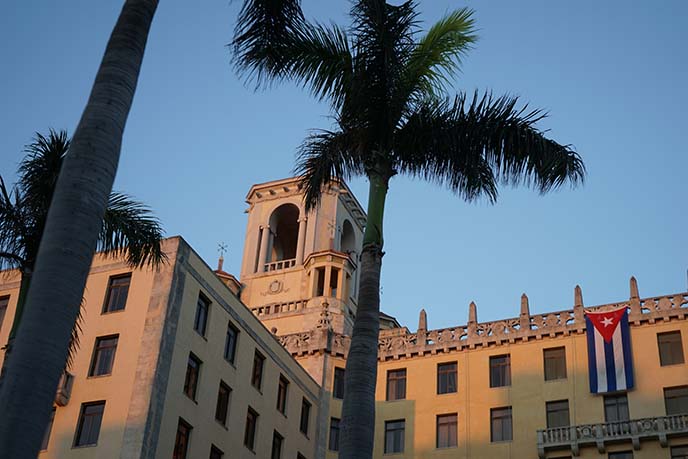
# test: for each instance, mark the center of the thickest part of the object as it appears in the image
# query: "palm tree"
(69, 238)
(387, 91)
(128, 227)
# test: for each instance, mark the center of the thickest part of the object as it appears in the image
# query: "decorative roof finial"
(222, 248)
(525, 307)
(634, 288)
(423, 320)
(577, 297)
(472, 313)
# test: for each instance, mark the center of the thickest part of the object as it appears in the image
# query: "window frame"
(501, 418)
(215, 452)
(187, 384)
(441, 422)
(398, 436)
(333, 436)
(81, 421)
(673, 348)
(555, 408)
(108, 293)
(338, 383)
(305, 419)
(95, 355)
(4, 306)
(616, 402)
(683, 398)
(257, 371)
(442, 372)
(277, 440)
(395, 381)
(224, 407)
(45, 442)
(497, 368)
(252, 415)
(282, 394)
(200, 325)
(559, 370)
(231, 350)
(189, 428)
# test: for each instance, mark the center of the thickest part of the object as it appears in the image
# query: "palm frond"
(13, 229)
(75, 336)
(129, 228)
(264, 30)
(444, 141)
(325, 156)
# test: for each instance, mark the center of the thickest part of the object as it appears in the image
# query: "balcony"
(64, 389)
(600, 435)
(279, 265)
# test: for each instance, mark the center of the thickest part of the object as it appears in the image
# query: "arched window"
(347, 243)
(284, 225)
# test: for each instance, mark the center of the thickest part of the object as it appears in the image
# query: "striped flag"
(609, 351)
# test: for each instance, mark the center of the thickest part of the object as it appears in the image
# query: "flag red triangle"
(606, 322)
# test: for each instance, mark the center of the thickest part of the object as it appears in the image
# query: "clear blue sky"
(612, 75)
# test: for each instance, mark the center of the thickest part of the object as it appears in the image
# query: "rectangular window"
(676, 400)
(396, 384)
(555, 363)
(679, 452)
(446, 378)
(616, 408)
(117, 292)
(621, 455)
(88, 428)
(300, 456)
(557, 413)
(446, 428)
(670, 348)
(500, 370)
(193, 370)
(500, 424)
(181, 442)
(201, 319)
(257, 373)
(215, 452)
(305, 416)
(222, 406)
(334, 282)
(46, 435)
(338, 385)
(103, 355)
(334, 434)
(251, 427)
(319, 281)
(282, 388)
(394, 436)
(231, 342)
(277, 441)
(4, 302)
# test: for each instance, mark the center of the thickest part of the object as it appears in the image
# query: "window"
(215, 452)
(555, 363)
(117, 292)
(277, 441)
(396, 384)
(334, 434)
(46, 435)
(557, 413)
(222, 407)
(89, 424)
(103, 355)
(500, 424)
(193, 369)
(679, 452)
(4, 301)
(251, 426)
(305, 416)
(446, 378)
(231, 342)
(500, 370)
(300, 456)
(616, 408)
(676, 400)
(670, 348)
(257, 373)
(338, 385)
(394, 436)
(201, 319)
(446, 430)
(334, 280)
(181, 442)
(282, 388)
(319, 281)
(621, 455)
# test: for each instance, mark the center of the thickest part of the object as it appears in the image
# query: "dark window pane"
(117, 292)
(446, 378)
(679, 452)
(557, 413)
(257, 373)
(500, 424)
(250, 431)
(500, 370)
(231, 342)
(676, 400)
(338, 386)
(88, 428)
(181, 442)
(555, 363)
(621, 455)
(616, 408)
(193, 368)
(282, 388)
(305, 416)
(670, 348)
(215, 452)
(396, 384)
(46, 435)
(334, 434)
(103, 355)
(446, 430)
(201, 319)
(4, 302)
(277, 441)
(394, 436)
(222, 406)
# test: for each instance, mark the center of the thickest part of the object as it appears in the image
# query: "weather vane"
(222, 248)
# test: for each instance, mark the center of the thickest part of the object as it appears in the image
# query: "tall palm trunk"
(69, 240)
(358, 410)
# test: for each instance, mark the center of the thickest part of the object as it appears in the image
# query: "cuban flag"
(609, 351)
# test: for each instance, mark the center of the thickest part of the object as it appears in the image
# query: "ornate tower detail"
(423, 321)
(578, 305)
(635, 297)
(472, 320)
(524, 317)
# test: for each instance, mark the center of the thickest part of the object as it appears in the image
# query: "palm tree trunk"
(69, 239)
(358, 410)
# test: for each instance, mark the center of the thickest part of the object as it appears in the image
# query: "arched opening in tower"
(284, 223)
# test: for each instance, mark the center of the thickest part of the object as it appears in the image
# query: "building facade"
(193, 363)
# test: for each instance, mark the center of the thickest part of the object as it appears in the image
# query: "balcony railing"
(281, 264)
(600, 435)
(64, 389)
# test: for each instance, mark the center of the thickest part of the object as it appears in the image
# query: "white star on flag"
(607, 321)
